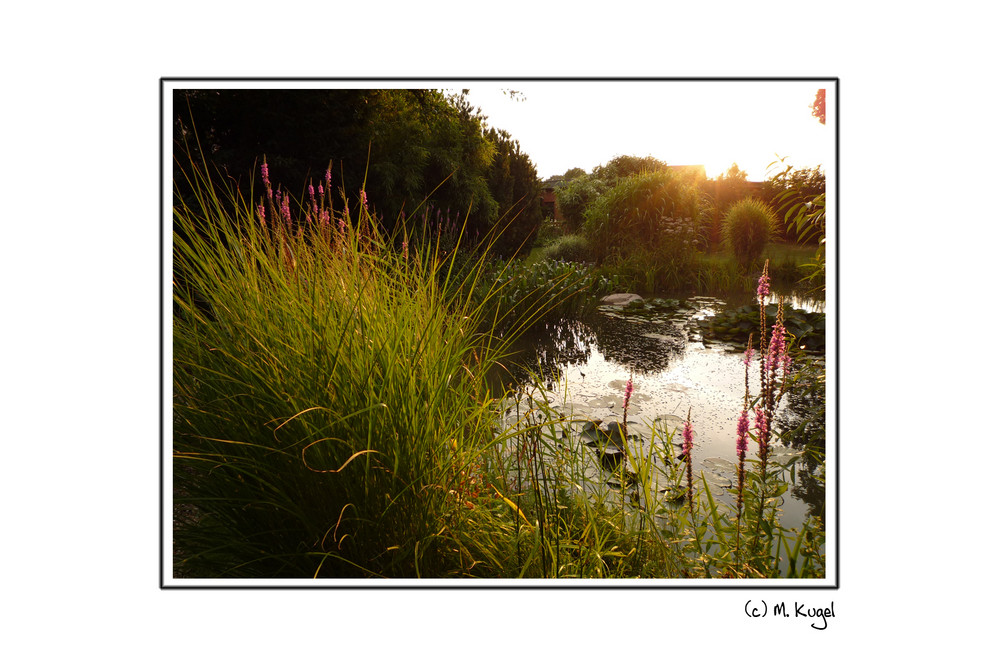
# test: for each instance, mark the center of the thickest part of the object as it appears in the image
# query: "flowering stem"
(688, 446)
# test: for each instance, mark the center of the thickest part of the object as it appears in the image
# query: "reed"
(330, 408)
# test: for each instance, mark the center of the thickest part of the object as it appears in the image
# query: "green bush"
(570, 248)
(748, 226)
(549, 232)
(574, 198)
(631, 215)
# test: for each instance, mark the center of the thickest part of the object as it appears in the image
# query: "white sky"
(565, 124)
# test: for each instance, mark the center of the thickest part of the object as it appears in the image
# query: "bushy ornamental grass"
(748, 226)
(632, 214)
(329, 401)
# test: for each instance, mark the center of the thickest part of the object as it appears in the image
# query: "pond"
(680, 359)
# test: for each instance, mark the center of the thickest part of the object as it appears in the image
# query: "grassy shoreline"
(332, 416)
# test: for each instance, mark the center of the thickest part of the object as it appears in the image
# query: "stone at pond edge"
(621, 299)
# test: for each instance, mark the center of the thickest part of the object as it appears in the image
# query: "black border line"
(640, 585)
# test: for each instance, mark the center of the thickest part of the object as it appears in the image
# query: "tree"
(735, 174)
(400, 145)
(720, 193)
(622, 166)
(513, 182)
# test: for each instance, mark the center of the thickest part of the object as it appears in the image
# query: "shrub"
(574, 198)
(549, 232)
(748, 226)
(570, 248)
(631, 215)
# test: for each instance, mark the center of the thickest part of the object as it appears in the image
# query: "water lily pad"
(717, 480)
(719, 464)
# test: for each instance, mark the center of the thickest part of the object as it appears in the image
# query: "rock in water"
(621, 299)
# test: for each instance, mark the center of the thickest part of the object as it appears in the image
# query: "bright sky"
(565, 124)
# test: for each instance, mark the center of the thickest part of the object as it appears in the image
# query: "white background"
(80, 332)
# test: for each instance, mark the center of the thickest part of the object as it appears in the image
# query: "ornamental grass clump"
(747, 227)
(330, 409)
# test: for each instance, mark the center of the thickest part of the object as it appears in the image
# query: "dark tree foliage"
(513, 181)
(401, 146)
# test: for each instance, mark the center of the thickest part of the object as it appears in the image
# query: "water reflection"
(803, 423)
(644, 347)
(584, 366)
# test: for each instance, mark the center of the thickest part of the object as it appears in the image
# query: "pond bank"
(675, 367)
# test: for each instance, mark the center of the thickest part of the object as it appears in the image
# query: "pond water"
(676, 367)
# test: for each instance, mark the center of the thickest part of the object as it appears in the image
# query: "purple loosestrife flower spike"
(763, 432)
(267, 180)
(628, 392)
(777, 347)
(742, 431)
(688, 445)
(286, 210)
(764, 284)
(688, 437)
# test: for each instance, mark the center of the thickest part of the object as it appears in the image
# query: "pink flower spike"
(777, 347)
(286, 211)
(688, 438)
(763, 285)
(742, 430)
